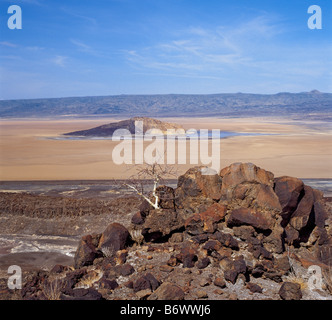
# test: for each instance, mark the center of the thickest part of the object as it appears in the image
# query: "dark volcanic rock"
(254, 288)
(203, 263)
(290, 291)
(147, 281)
(87, 251)
(168, 291)
(235, 267)
(32, 288)
(161, 222)
(197, 191)
(188, 256)
(72, 278)
(288, 190)
(239, 173)
(205, 221)
(226, 239)
(246, 225)
(249, 217)
(83, 294)
(300, 217)
(138, 218)
(108, 284)
(166, 197)
(115, 236)
(246, 185)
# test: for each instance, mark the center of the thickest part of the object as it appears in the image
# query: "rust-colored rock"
(87, 251)
(115, 236)
(205, 222)
(147, 281)
(290, 291)
(161, 222)
(300, 217)
(238, 173)
(188, 256)
(166, 197)
(249, 217)
(138, 218)
(246, 185)
(168, 291)
(196, 191)
(288, 190)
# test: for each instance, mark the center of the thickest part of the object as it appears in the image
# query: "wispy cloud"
(92, 22)
(8, 44)
(60, 61)
(83, 47)
(206, 50)
(33, 2)
(35, 48)
(249, 48)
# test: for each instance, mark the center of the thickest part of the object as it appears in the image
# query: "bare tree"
(147, 173)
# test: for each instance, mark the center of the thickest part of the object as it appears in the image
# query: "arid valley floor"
(301, 149)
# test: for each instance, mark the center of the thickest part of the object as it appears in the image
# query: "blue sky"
(110, 47)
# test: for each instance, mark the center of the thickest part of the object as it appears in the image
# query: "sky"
(110, 47)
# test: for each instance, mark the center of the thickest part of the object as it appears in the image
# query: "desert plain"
(29, 150)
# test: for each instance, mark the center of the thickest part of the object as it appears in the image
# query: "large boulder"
(300, 217)
(87, 251)
(168, 291)
(187, 255)
(160, 223)
(197, 190)
(290, 291)
(115, 237)
(166, 197)
(146, 281)
(249, 217)
(238, 173)
(246, 185)
(288, 190)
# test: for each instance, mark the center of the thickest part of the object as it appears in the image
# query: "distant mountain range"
(311, 105)
(107, 130)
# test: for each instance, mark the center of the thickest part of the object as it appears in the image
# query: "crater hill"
(107, 130)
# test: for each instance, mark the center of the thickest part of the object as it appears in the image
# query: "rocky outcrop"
(216, 232)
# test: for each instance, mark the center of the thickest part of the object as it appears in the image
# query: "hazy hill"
(312, 105)
(108, 129)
